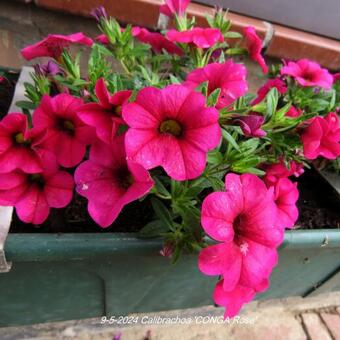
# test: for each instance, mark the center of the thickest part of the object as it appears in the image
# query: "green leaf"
(215, 157)
(161, 211)
(221, 59)
(213, 97)
(236, 51)
(226, 135)
(174, 80)
(153, 229)
(194, 191)
(203, 88)
(23, 104)
(216, 183)
(281, 114)
(272, 99)
(233, 35)
(249, 146)
(160, 187)
(331, 104)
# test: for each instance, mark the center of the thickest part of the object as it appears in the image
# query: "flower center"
(37, 179)
(66, 126)
(171, 127)
(238, 225)
(117, 110)
(308, 76)
(124, 178)
(20, 139)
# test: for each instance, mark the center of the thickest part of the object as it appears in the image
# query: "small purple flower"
(117, 336)
(48, 69)
(250, 125)
(98, 13)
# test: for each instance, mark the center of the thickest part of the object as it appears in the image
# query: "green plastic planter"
(73, 276)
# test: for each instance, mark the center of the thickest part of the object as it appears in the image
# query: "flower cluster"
(175, 122)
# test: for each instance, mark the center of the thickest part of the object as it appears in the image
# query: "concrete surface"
(316, 318)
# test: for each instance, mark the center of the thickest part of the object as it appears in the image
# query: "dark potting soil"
(7, 87)
(318, 204)
(319, 207)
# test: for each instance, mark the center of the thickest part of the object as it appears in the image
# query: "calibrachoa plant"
(176, 122)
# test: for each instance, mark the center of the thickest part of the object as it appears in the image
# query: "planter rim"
(25, 247)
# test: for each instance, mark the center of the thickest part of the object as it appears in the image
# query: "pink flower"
(200, 37)
(322, 137)
(66, 135)
(233, 300)
(229, 77)
(156, 40)
(254, 44)
(104, 116)
(250, 125)
(276, 171)
(244, 219)
(174, 7)
(293, 112)
(53, 45)
(286, 195)
(308, 73)
(171, 128)
(271, 83)
(102, 38)
(281, 87)
(109, 182)
(19, 146)
(33, 195)
(336, 77)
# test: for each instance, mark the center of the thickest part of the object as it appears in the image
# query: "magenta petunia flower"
(322, 137)
(274, 172)
(234, 300)
(102, 38)
(244, 219)
(66, 135)
(254, 44)
(293, 112)
(157, 41)
(53, 45)
(271, 83)
(109, 182)
(198, 36)
(33, 195)
(19, 145)
(229, 77)
(308, 73)
(250, 125)
(336, 77)
(172, 128)
(106, 115)
(174, 7)
(286, 195)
